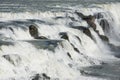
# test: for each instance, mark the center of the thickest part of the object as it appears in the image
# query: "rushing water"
(68, 53)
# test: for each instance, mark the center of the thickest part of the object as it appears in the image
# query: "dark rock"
(42, 76)
(78, 39)
(104, 38)
(45, 76)
(92, 24)
(64, 35)
(82, 72)
(69, 55)
(104, 24)
(72, 18)
(89, 19)
(79, 27)
(75, 48)
(59, 17)
(13, 59)
(33, 31)
(11, 29)
(36, 77)
(99, 15)
(88, 33)
(41, 37)
(80, 15)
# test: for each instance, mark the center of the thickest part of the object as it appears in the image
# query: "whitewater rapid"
(22, 57)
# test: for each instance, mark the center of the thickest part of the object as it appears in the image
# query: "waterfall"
(70, 44)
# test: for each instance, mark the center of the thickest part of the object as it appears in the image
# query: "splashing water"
(68, 53)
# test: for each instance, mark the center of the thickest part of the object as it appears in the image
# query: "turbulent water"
(68, 53)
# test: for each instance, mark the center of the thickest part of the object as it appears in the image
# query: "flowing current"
(72, 50)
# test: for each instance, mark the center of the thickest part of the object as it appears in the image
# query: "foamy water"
(22, 56)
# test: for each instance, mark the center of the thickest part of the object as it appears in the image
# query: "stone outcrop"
(90, 20)
(34, 32)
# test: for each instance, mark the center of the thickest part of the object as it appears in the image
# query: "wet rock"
(42, 76)
(98, 15)
(104, 24)
(64, 35)
(89, 19)
(36, 77)
(75, 48)
(13, 59)
(80, 14)
(104, 38)
(59, 17)
(88, 33)
(69, 55)
(11, 29)
(41, 37)
(45, 76)
(34, 32)
(78, 39)
(79, 27)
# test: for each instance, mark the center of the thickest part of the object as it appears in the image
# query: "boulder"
(33, 31)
